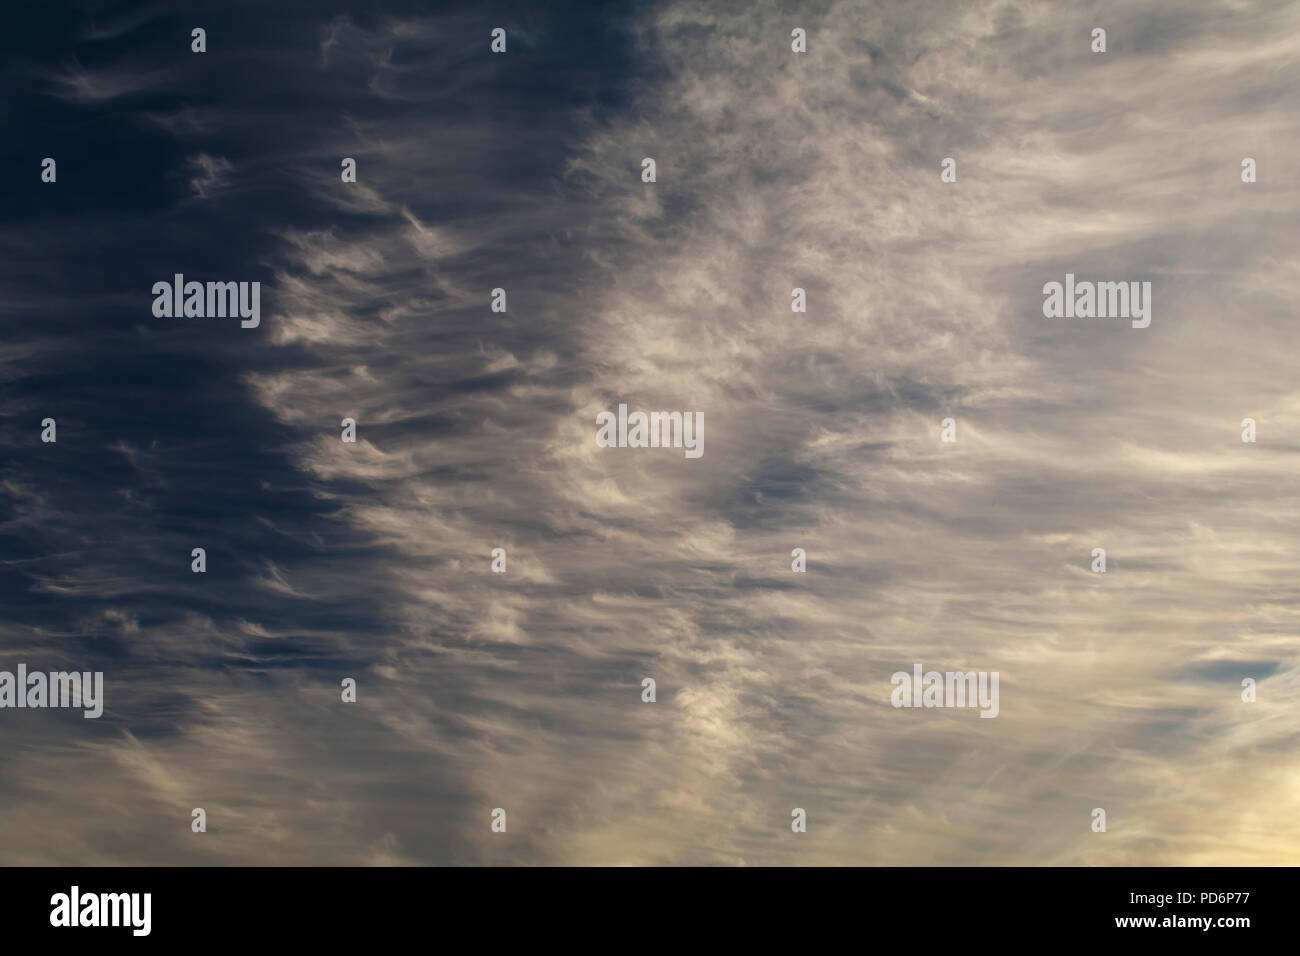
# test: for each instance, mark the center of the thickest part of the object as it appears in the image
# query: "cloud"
(208, 174)
(476, 430)
(75, 84)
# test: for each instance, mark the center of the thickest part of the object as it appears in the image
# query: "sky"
(476, 429)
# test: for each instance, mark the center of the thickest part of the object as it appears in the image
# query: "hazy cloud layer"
(476, 430)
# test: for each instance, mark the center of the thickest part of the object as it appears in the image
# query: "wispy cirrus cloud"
(77, 84)
(476, 430)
